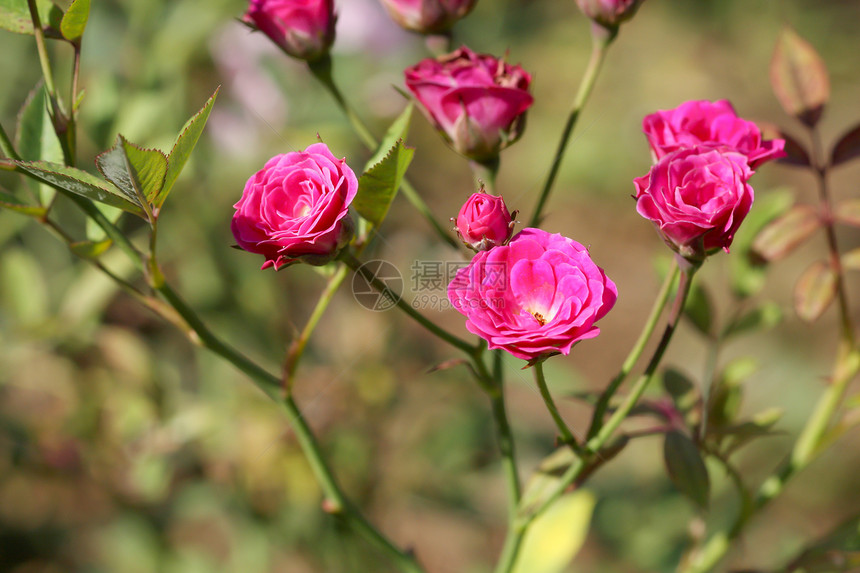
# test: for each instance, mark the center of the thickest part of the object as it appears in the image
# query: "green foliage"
(9, 201)
(378, 185)
(137, 172)
(15, 15)
(557, 534)
(686, 468)
(75, 21)
(78, 182)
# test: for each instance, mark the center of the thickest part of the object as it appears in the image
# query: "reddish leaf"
(851, 260)
(799, 77)
(847, 148)
(814, 291)
(785, 233)
(796, 154)
(848, 212)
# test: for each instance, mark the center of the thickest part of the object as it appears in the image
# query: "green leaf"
(15, 15)
(787, 232)
(680, 388)
(75, 20)
(799, 78)
(741, 434)
(36, 139)
(815, 290)
(686, 468)
(182, 148)
(91, 249)
(763, 317)
(726, 396)
(556, 535)
(9, 201)
(77, 182)
(545, 479)
(139, 173)
(399, 129)
(378, 186)
(699, 309)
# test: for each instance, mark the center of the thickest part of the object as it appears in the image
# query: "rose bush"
(697, 197)
(297, 208)
(302, 28)
(484, 222)
(697, 122)
(609, 13)
(476, 101)
(428, 16)
(534, 297)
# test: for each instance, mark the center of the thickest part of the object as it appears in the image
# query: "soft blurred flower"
(609, 13)
(428, 16)
(304, 29)
(484, 222)
(476, 101)
(297, 208)
(535, 297)
(696, 122)
(697, 197)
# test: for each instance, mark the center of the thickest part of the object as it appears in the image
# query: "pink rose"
(696, 122)
(535, 297)
(476, 101)
(484, 222)
(302, 28)
(697, 197)
(609, 13)
(428, 16)
(296, 208)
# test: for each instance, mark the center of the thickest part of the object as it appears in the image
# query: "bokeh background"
(123, 448)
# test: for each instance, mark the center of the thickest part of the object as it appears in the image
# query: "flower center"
(538, 317)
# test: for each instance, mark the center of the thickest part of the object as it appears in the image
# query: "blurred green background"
(123, 448)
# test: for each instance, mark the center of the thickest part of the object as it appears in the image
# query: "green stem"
(516, 534)
(321, 70)
(297, 347)
(485, 173)
(505, 437)
(382, 288)
(566, 435)
(42, 48)
(599, 47)
(635, 352)
(6, 145)
(71, 128)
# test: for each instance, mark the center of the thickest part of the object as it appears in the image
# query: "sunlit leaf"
(399, 129)
(91, 249)
(556, 535)
(182, 148)
(787, 232)
(75, 20)
(378, 186)
(815, 290)
(139, 173)
(799, 77)
(851, 260)
(78, 182)
(15, 15)
(9, 201)
(686, 468)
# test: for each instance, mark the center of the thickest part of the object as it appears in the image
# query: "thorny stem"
(599, 48)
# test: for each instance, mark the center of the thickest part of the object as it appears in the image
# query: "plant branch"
(566, 435)
(599, 47)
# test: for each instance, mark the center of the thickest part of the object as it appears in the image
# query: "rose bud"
(609, 13)
(476, 102)
(297, 208)
(703, 122)
(304, 29)
(536, 296)
(697, 197)
(428, 16)
(484, 222)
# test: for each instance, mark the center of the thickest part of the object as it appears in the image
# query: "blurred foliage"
(123, 448)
